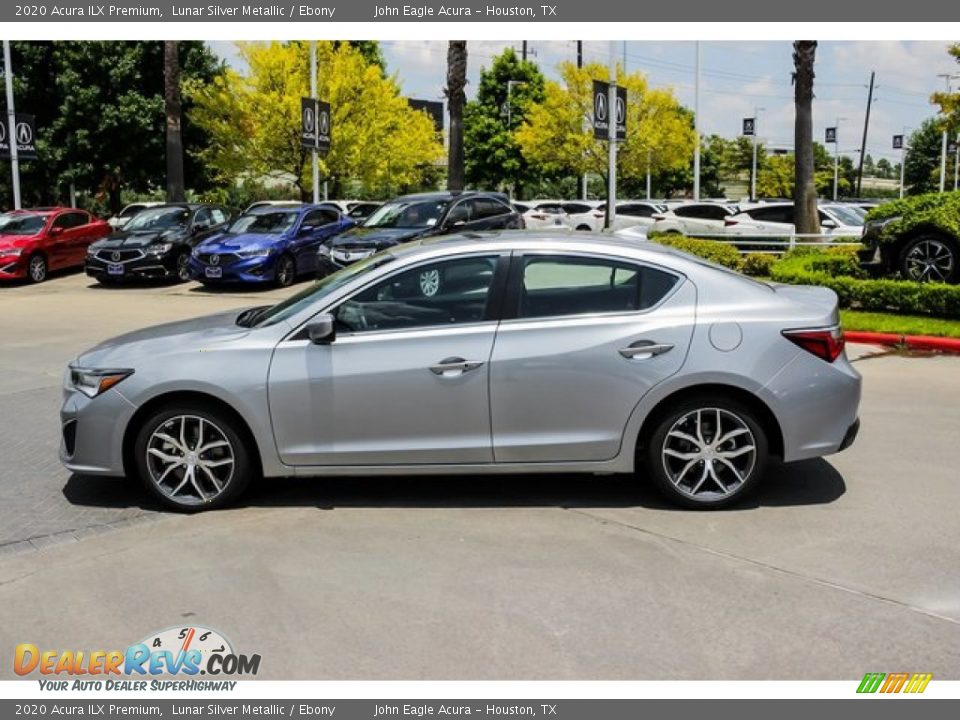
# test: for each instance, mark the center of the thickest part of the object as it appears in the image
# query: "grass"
(899, 324)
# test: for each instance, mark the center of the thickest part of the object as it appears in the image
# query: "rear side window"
(485, 208)
(706, 212)
(635, 210)
(780, 214)
(576, 208)
(559, 285)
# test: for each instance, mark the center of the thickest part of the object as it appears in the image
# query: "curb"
(914, 342)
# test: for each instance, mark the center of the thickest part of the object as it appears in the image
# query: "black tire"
(217, 425)
(677, 482)
(285, 272)
(37, 268)
(182, 267)
(584, 228)
(930, 258)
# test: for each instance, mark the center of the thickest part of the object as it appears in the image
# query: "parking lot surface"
(836, 568)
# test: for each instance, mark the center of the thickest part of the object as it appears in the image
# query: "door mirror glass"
(322, 330)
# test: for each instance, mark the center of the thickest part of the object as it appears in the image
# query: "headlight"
(159, 249)
(323, 250)
(255, 252)
(196, 251)
(92, 382)
(91, 250)
(11, 251)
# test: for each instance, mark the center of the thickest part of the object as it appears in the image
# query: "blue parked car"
(269, 244)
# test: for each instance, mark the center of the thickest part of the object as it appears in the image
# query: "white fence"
(778, 244)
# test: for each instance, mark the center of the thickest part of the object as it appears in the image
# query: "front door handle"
(453, 366)
(644, 350)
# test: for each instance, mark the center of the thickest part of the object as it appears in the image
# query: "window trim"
(511, 307)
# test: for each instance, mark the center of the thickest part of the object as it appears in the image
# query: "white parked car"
(836, 220)
(695, 218)
(127, 213)
(630, 213)
(542, 214)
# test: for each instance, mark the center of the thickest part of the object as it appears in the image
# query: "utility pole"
(696, 129)
(313, 94)
(11, 125)
(903, 159)
(524, 51)
(612, 141)
(753, 167)
(583, 180)
(866, 128)
(836, 158)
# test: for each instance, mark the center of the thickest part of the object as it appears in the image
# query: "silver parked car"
(509, 353)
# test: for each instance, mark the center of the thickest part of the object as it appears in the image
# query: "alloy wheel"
(709, 453)
(284, 271)
(38, 269)
(189, 459)
(929, 260)
(183, 266)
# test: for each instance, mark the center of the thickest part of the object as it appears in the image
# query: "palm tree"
(171, 98)
(806, 219)
(456, 99)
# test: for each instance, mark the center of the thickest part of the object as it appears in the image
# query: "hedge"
(912, 298)
(935, 210)
(717, 252)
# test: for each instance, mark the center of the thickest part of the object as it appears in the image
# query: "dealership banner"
(474, 11)
(318, 709)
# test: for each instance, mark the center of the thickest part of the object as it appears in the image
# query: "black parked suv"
(156, 242)
(417, 216)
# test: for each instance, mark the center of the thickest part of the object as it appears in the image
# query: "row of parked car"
(275, 242)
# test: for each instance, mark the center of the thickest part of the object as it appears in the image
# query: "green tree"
(493, 158)
(884, 169)
(949, 102)
(101, 114)
(555, 137)
(253, 120)
(922, 164)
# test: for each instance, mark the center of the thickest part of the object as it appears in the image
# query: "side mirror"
(306, 229)
(322, 331)
(457, 224)
(829, 224)
(56, 231)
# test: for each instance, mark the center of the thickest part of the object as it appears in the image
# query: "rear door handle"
(453, 366)
(644, 350)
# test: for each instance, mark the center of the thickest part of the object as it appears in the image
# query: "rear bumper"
(851, 435)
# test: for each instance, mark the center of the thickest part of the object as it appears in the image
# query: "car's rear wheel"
(707, 452)
(37, 268)
(285, 271)
(192, 458)
(930, 258)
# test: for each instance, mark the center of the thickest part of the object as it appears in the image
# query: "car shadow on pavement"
(811, 482)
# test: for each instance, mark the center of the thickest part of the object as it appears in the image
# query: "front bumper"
(13, 267)
(144, 267)
(92, 430)
(244, 270)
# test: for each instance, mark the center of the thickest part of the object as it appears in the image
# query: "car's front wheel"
(285, 272)
(37, 269)
(707, 452)
(192, 458)
(183, 266)
(930, 258)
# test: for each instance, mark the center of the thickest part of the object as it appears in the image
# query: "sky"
(736, 78)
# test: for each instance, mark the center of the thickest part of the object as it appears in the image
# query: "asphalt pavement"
(836, 568)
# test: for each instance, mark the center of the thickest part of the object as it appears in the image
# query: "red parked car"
(36, 242)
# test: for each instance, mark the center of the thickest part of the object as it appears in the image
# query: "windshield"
(130, 210)
(22, 224)
(846, 216)
(320, 289)
(159, 219)
(273, 222)
(407, 214)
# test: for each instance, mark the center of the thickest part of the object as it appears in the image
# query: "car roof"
(449, 195)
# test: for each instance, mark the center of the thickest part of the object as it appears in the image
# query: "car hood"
(138, 239)
(198, 333)
(225, 243)
(377, 238)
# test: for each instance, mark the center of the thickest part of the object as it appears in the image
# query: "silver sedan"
(510, 353)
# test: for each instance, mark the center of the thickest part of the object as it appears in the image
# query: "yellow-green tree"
(557, 136)
(950, 102)
(254, 119)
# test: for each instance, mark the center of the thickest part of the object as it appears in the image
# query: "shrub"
(717, 252)
(759, 264)
(934, 210)
(934, 299)
(834, 261)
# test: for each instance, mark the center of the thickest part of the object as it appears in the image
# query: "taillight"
(538, 216)
(728, 222)
(826, 344)
(598, 215)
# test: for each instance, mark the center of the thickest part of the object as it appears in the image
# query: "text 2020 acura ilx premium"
(508, 353)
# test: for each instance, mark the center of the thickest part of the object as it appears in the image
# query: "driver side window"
(443, 293)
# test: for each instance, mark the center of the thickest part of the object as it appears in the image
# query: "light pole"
(11, 125)
(313, 94)
(956, 164)
(903, 159)
(696, 129)
(947, 77)
(836, 157)
(753, 169)
(612, 140)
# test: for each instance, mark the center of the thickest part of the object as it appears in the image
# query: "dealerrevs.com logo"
(175, 651)
(899, 682)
